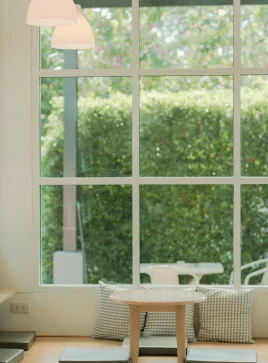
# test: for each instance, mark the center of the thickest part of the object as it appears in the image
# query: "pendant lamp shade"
(52, 13)
(79, 36)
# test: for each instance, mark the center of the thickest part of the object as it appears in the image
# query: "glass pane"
(86, 127)
(186, 126)
(186, 36)
(112, 28)
(254, 128)
(254, 234)
(254, 35)
(102, 242)
(191, 224)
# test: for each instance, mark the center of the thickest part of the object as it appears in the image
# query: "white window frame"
(136, 180)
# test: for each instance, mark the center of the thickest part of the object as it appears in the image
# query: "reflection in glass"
(104, 237)
(86, 127)
(190, 223)
(186, 126)
(254, 249)
(186, 36)
(254, 129)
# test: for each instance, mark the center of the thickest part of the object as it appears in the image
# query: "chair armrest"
(255, 273)
(257, 262)
(251, 264)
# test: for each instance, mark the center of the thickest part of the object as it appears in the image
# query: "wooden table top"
(158, 296)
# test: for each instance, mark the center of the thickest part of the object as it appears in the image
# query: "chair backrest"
(260, 271)
(164, 275)
(264, 280)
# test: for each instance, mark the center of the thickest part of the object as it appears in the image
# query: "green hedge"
(185, 134)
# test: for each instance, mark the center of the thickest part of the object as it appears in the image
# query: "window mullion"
(237, 149)
(135, 145)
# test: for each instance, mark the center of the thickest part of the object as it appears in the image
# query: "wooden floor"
(49, 349)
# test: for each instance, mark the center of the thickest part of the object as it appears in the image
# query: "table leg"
(134, 333)
(181, 332)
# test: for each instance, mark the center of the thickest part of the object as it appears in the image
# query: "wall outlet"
(19, 307)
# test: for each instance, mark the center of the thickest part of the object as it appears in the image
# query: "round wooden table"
(154, 300)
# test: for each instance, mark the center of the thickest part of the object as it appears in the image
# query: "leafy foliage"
(178, 222)
(187, 133)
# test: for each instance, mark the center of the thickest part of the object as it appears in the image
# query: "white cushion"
(165, 324)
(113, 318)
(225, 316)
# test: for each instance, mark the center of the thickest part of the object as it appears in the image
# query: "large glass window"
(152, 157)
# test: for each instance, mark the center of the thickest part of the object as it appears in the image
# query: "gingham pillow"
(225, 316)
(165, 324)
(113, 318)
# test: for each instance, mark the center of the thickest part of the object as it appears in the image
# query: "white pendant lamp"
(79, 36)
(52, 13)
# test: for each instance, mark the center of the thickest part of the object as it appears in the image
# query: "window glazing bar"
(152, 3)
(237, 148)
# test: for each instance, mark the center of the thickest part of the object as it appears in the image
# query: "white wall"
(54, 311)
(15, 147)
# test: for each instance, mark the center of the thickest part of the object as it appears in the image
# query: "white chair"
(261, 271)
(169, 275)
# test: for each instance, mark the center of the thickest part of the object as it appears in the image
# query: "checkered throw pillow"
(225, 316)
(165, 324)
(113, 318)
